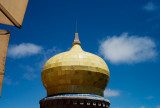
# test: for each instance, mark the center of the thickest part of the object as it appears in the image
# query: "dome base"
(75, 101)
(65, 89)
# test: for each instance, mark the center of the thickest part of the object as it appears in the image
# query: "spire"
(76, 39)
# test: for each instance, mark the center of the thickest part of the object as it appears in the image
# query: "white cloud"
(142, 107)
(128, 49)
(23, 50)
(150, 6)
(158, 106)
(30, 76)
(27, 68)
(30, 73)
(149, 97)
(111, 93)
(8, 81)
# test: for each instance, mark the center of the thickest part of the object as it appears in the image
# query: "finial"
(76, 39)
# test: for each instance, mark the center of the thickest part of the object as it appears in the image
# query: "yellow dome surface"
(75, 71)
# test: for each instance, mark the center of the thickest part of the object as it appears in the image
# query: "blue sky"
(125, 33)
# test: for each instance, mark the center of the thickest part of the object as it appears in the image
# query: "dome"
(75, 71)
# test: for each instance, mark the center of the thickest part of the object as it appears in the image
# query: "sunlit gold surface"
(75, 71)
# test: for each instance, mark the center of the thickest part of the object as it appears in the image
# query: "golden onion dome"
(75, 71)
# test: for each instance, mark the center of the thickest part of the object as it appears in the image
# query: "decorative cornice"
(75, 102)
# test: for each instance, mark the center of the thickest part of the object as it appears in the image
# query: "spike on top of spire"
(76, 27)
